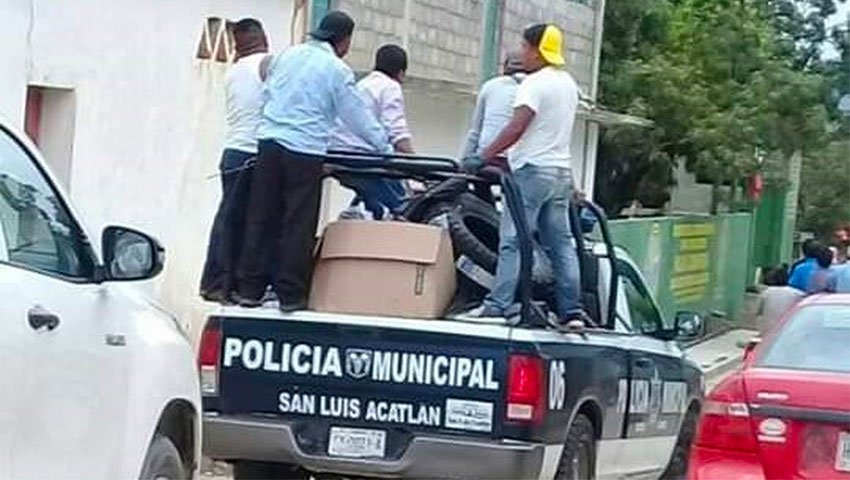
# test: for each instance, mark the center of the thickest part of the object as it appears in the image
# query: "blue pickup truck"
(329, 395)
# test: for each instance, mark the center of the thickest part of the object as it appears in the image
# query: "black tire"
(677, 469)
(578, 461)
(268, 471)
(163, 461)
(474, 227)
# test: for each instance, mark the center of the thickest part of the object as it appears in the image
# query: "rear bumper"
(710, 464)
(248, 438)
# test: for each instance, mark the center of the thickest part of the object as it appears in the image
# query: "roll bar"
(427, 167)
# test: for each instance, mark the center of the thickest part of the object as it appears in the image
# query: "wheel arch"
(591, 408)
(178, 422)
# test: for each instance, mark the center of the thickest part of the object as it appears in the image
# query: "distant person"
(494, 107)
(244, 101)
(540, 134)
(839, 278)
(777, 276)
(819, 278)
(382, 93)
(307, 88)
(802, 270)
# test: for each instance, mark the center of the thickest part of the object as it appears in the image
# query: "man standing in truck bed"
(540, 133)
(307, 87)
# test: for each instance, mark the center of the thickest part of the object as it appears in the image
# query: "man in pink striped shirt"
(382, 93)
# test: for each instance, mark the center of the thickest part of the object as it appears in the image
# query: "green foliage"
(733, 86)
(825, 190)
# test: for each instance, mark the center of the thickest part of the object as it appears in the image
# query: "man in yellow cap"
(540, 133)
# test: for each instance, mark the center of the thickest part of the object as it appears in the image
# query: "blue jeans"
(546, 194)
(377, 194)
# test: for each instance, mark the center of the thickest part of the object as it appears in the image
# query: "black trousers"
(218, 278)
(280, 227)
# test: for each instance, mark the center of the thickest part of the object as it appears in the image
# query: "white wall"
(149, 116)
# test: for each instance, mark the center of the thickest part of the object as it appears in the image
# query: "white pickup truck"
(313, 393)
(97, 382)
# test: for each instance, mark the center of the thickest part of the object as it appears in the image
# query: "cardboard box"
(384, 268)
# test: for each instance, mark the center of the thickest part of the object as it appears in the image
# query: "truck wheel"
(578, 462)
(163, 461)
(267, 471)
(677, 469)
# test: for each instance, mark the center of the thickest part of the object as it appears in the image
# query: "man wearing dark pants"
(540, 132)
(244, 101)
(307, 87)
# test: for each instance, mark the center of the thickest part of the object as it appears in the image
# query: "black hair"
(391, 60)
(534, 34)
(810, 248)
(824, 256)
(335, 27)
(247, 25)
(776, 276)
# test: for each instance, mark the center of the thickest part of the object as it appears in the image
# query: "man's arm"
(523, 115)
(473, 137)
(394, 121)
(265, 63)
(354, 113)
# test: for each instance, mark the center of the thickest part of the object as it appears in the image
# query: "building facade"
(126, 98)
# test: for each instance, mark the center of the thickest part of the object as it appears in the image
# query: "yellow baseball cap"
(551, 44)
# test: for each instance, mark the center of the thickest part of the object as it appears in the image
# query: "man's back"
(494, 110)
(244, 103)
(384, 98)
(553, 95)
(300, 96)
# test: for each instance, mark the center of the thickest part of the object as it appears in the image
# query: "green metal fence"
(696, 263)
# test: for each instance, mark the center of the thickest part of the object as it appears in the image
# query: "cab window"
(645, 316)
(38, 232)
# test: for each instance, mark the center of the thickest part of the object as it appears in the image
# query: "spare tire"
(474, 228)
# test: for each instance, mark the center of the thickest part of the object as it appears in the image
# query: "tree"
(825, 190)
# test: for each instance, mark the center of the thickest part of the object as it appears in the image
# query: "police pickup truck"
(330, 395)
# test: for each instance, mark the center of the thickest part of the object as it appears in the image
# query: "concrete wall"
(443, 37)
(149, 116)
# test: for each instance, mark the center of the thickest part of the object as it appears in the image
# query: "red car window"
(816, 338)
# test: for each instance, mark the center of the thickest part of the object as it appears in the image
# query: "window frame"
(627, 272)
(85, 244)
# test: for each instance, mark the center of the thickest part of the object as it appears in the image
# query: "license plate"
(842, 458)
(357, 443)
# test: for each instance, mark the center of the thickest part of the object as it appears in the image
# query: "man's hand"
(471, 164)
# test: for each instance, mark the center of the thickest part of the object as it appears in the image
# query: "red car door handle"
(39, 318)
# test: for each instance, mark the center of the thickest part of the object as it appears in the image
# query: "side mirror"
(689, 325)
(130, 255)
(750, 349)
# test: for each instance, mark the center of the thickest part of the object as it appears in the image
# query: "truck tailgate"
(334, 378)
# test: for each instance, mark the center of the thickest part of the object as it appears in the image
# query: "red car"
(786, 413)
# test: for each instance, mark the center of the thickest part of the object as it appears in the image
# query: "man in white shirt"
(382, 94)
(540, 133)
(244, 102)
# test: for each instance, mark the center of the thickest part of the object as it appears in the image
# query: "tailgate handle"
(38, 318)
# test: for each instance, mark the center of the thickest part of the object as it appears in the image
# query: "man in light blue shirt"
(839, 278)
(494, 107)
(307, 87)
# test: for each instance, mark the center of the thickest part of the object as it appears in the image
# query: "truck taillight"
(726, 422)
(209, 356)
(525, 394)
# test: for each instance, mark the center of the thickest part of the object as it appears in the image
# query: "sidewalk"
(720, 355)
